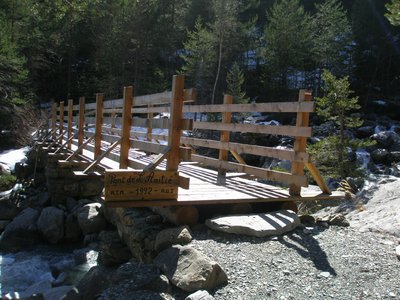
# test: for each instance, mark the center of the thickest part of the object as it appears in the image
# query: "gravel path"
(311, 263)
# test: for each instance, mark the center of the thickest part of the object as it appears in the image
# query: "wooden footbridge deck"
(147, 160)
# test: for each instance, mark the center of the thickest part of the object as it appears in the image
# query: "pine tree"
(235, 81)
(331, 37)
(336, 105)
(287, 39)
(393, 14)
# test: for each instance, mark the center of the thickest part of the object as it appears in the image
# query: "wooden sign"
(126, 185)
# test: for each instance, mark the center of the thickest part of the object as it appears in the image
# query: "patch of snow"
(270, 123)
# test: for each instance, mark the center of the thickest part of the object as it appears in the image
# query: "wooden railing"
(130, 122)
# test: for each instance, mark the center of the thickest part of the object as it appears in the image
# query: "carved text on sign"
(138, 185)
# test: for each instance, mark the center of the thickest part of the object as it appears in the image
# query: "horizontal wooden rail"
(263, 129)
(258, 172)
(253, 107)
(287, 154)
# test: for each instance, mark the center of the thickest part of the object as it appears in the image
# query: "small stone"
(200, 295)
(172, 236)
(324, 274)
(392, 295)
(398, 252)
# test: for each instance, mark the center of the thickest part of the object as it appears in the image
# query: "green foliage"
(288, 36)
(7, 181)
(235, 81)
(336, 105)
(331, 35)
(326, 152)
(393, 14)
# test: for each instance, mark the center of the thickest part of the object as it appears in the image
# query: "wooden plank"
(318, 178)
(131, 185)
(99, 124)
(175, 129)
(101, 156)
(81, 122)
(54, 120)
(126, 127)
(156, 161)
(61, 127)
(300, 143)
(224, 138)
(258, 172)
(252, 107)
(295, 131)
(70, 114)
(80, 148)
(287, 154)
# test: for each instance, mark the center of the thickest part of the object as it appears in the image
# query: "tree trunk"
(218, 69)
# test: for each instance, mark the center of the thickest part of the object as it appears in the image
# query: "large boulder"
(91, 219)
(73, 232)
(380, 156)
(172, 236)
(22, 232)
(8, 210)
(93, 283)
(51, 224)
(259, 225)
(189, 269)
(387, 139)
(112, 250)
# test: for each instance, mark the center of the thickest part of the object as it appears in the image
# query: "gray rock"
(37, 288)
(140, 276)
(200, 295)
(259, 225)
(22, 232)
(51, 224)
(91, 219)
(112, 250)
(3, 224)
(8, 210)
(398, 251)
(189, 269)
(387, 139)
(44, 199)
(337, 219)
(365, 131)
(95, 281)
(57, 293)
(91, 187)
(172, 236)
(395, 156)
(73, 232)
(380, 156)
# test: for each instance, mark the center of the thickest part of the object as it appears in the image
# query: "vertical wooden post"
(99, 124)
(300, 143)
(223, 154)
(113, 116)
(175, 128)
(61, 127)
(81, 122)
(54, 120)
(70, 120)
(150, 116)
(126, 127)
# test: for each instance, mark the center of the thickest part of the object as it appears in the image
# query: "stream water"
(58, 264)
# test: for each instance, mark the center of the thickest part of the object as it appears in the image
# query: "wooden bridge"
(147, 160)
